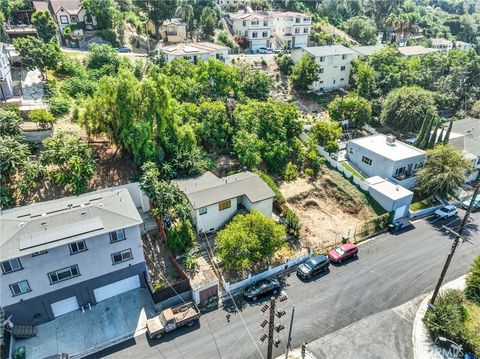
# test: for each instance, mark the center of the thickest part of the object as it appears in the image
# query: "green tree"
(362, 29)
(284, 63)
(104, 59)
(32, 174)
(472, 291)
(217, 79)
(248, 147)
(10, 121)
(184, 10)
(257, 85)
(13, 155)
(355, 109)
(45, 24)
(292, 223)
(389, 69)
(249, 239)
(405, 108)
(70, 161)
(208, 21)
(324, 132)
(475, 111)
(291, 172)
(304, 73)
(37, 54)
(180, 237)
(106, 12)
(365, 84)
(444, 171)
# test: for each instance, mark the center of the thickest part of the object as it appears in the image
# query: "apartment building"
(67, 254)
(255, 28)
(334, 65)
(292, 29)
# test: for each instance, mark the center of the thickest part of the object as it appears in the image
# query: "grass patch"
(424, 203)
(352, 170)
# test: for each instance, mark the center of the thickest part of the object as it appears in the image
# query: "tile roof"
(208, 189)
(367, 50)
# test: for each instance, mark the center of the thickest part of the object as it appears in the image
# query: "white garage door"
(115, 288)
(65, 306)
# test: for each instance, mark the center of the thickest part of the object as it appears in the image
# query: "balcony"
(20, 29)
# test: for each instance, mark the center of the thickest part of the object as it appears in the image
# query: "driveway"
(390, 271)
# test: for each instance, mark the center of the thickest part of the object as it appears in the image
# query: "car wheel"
(189, 324)
(275, 291)
(340, 261)
(254, 298)
(158, 336)
(309, 276)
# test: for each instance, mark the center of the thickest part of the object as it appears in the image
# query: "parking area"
(108, 322)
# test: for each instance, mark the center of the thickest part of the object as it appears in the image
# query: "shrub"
(309, 172)
(109, 35)
(32, 173)
(69, 66)
(284, 63)
(279, 199)
(158, 287)
(292, 222)
(475, 111)
(59, 105)
(79, 86)
(190, 261)
(181, 237)
(291, 172)
(43, 118)
(224, 39)
(472, 291)
(6, 197)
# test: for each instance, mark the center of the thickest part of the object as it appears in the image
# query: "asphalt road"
(390, 271)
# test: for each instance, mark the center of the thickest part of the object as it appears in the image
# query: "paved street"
(390, 271)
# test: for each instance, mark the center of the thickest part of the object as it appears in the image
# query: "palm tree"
(185, 11)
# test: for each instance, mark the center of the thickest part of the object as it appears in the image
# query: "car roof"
(318, 259)
(449, 206)
(348, 246)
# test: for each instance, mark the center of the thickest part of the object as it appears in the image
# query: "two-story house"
(214, 201)
(384, 156)
(227, 3)
(442, 44)
(292, 29)
(334, 65)
(6, 85)
(67, 254)
(255, 28)
(174, 30)
(66, 12)
(194, 52)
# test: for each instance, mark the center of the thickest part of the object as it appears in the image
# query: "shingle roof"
(192, 48)
(367, 50)
(441, 41)
(328, 50)
(71, 6)
(45, 225)
(40, 5)
(174, 21)
(415, 50)
(208, 189)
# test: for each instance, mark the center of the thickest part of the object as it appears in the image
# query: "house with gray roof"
(67, 254)
(214, 201)
(365, 51)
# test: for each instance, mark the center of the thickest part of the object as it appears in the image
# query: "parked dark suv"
(314, 265)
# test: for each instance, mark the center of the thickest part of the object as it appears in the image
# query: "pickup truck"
(171, 319)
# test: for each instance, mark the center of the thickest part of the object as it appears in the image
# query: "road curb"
(422, 343)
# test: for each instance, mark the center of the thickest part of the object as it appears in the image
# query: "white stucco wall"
(262, 206)
(93, 262)
(214, 218)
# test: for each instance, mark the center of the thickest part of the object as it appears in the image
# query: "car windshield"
(340, 251)
(445, 209)
(309, 264)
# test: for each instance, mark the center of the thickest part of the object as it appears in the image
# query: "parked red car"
(345, 251)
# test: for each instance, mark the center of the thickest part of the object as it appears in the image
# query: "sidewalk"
(423, 347)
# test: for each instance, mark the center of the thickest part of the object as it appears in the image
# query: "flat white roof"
(395, 152)
(330, 50)
(387, 188)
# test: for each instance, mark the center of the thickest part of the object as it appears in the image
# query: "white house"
(334, 62)
(461, 45)
(256, 28)
(66, 12)
(384, 156)
(291, 29)
(195, 51)
(215, 200)
(442, 44)
(6, 88)
(63, 255)
(227, 3)
(392, 197)
(412, 51)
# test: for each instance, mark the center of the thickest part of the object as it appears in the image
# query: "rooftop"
(70, 6)
(467, 126)
(367, 50)
(318, 51)
(395, 151)
(415, 50)
(289, 13)
(192, 48)
(249, 16)
(174, 21)
(208, 189)
(203, 275)
(387, 188)
(441, 41)
(46, 225)
(40, 5)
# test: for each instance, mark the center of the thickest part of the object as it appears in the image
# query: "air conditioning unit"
(391, 140)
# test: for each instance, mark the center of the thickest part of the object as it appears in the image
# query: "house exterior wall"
(174, 33)
(64, 19)
(262, 206)
(292, 31)
(214, 218)
(5, 77)
(388, 203)
(94, 262)
(258, 35)
(38, 309)
(226, 3)
(444, 48)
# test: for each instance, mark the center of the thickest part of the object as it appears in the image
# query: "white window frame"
(77, 247)
(71, 269)
(367, 160)
(14, 268)
(265, 34)
(21, 290)
(118, 237)
(344, 57)
(202, 211)
(64, 20)
(123, 256)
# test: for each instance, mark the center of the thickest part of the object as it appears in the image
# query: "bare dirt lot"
(329, 207)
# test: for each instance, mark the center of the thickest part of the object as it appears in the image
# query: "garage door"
(65, 306)
(116, 288)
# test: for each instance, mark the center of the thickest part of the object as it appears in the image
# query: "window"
(254, 35)
(20, 287)
(306, 19)
(202, 211)
(73, 18)
(77, 247)
(320, 71)
(117, 236)
(244, 23)
(297, 31)
(264, 34)
(39, 253)
(399, 171)
(342, 79)
(224, 205)
(320, 82)
(350, 150)
(63, 274)
(366, 160)
(265, 22)
(418, 165)
(322, 58)
(255, 23)
(342, 68)
(122, 256)
(305, 30)
(344, 57)
(64, 19)
(11, 265)
(297, 20)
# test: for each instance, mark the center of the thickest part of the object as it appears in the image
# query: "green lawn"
(352, 170)
(424, 203)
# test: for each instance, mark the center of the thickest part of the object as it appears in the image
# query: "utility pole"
(454, 246)
(271, 325)
(290, 332)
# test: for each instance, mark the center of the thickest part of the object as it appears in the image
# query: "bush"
(224, 39)
(475, 111)
(291, 172)
(59, 105)
(79, 86)
(109, 35)
(181, 237)
(284, 63)
(279, 199)
(292, 222)
(69, 66)
(472, 291)
(43, 118)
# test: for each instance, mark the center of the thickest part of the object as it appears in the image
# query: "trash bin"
(19, 353)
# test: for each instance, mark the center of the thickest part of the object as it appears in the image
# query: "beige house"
(292, 29)
(256, 28)
(174, 30)
(195, 51)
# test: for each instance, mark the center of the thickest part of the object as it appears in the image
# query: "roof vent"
(21, 224)
(390, 140)
(83, 213)
(70, 206)
(44, 214)
(43, 223)
(100, 205)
